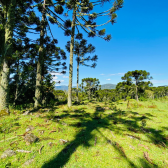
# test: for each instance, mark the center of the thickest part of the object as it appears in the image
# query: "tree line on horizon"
(135, 85)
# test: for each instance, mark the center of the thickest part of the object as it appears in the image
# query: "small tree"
(90, 85)
(127, 88)
(104, 95)
(149, 94)
(138, 76)
(48, 90)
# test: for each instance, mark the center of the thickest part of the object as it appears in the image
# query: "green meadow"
(93, 135)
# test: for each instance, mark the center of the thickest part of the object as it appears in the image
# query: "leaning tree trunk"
(9, 11)
(71, 59)
(38, 94)
(77, 79)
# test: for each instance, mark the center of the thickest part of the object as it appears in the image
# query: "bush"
(60, 97)
(113, 107)
(143, 98)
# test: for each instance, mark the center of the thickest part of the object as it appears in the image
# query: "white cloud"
(59, 81)
(117, 74)
(159, 81)
(121, 73)
(55, 77)
(55, 73)
(65, 76)
(102, 74)
(108, 79)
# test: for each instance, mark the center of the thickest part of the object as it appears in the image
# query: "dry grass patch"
(152, 106)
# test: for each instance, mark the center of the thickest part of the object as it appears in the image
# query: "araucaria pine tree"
(83, 19)
(40, 61)
(138, 76)
(11, 24)
(90, 86)
(80, 50)
(52, 17)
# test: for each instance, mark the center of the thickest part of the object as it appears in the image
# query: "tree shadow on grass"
(119, 149)
(81, 138)
(42, 110)
(132, 126)
(89, 122)
(145, 164)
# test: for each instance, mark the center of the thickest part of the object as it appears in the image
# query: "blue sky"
(139, 42)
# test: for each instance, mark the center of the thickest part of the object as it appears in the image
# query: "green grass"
(116, 137)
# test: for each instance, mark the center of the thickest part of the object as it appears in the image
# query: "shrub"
(143, 98)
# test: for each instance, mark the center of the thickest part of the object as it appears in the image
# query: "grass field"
(96, 136)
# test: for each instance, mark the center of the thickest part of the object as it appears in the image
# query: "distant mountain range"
(105, 86)
(61, 87)
(108, 86)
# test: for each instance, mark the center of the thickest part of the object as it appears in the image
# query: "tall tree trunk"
(17, 83)
(71, 59)
(9, 11)
(89, 93)
(77, 79)
(4, 89)
(128, 103)
(82, 91)
(38, 94)
(136, 91)
(2, 36)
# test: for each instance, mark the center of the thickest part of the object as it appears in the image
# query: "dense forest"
(76, 116)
